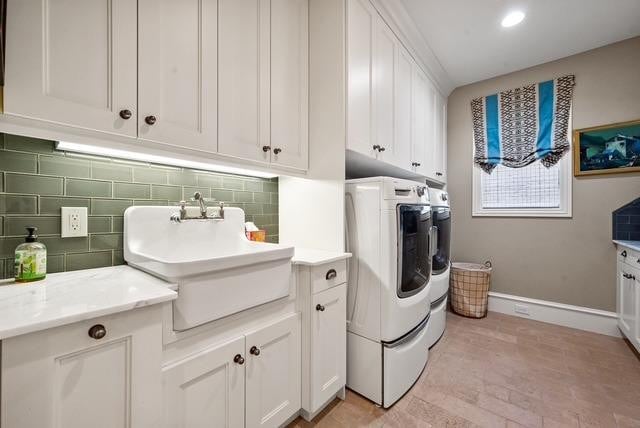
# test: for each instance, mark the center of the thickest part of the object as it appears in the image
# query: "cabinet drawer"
(628, 256)
(328, 275)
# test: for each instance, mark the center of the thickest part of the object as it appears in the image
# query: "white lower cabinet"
(323, 302)
(206, 389)
(328, 354)
(273, 373)
(101, 373)
(252, 381)
(628, 295)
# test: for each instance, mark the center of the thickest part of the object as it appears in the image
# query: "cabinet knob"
(126, 114)
(623, 253)
(376, 147)
(238, 359)
(97, 332)
(277, 150)
(319, 307)
(331, 274)
(266, 148)
(416, 164)
(439, 174)
(150, 120)
(382, 149)
(254, 351)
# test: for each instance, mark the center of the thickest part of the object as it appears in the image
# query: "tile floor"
(504, 371)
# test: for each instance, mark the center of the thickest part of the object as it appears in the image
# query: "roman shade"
(520, 126)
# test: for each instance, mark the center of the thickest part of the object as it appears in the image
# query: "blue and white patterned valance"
(520, 126)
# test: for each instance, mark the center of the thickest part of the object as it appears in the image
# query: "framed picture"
(609, 149)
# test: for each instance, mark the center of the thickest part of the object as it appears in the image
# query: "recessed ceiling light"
(512, 18)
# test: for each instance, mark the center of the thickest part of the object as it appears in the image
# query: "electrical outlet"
(522, 309)
(74, 221)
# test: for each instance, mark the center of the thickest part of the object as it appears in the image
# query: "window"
(532, 191)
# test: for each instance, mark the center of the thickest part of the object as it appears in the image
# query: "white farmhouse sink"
(218, 270)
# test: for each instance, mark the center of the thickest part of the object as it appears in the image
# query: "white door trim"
(588, 319)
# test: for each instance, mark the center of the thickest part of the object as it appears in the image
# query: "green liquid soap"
(31, 258)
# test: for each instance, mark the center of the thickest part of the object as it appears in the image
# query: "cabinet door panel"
(402, 117)
(207, 389)
(626, 300)
(178, 72)
(79, 72)
(243, 65)
(360, 24)
(328, 344)
(63, 378)
(384, 90)
(273, 376)
(439, 141)
(289, 88)
(418, 120)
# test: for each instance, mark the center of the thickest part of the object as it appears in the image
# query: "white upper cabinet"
(403, 109)
(289, 83)
(243, 73)
(394, 111)
(177, 98)
(419, 129)
(384, 91)
(440, 138)
(73, 62)
(361, 20)
(262, 78)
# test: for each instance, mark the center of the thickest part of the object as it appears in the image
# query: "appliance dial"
(420, 190)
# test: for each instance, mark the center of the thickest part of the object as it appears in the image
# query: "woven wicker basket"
(470, 288)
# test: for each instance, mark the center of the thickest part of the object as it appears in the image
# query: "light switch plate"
(74, 222)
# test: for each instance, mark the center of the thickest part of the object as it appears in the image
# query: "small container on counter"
(31, 258)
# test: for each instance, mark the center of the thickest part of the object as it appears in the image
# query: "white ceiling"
(471, 45)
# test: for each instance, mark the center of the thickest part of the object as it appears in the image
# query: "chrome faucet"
(182, 214)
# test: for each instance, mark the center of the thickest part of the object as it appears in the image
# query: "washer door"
(442, 226)
(414, 261)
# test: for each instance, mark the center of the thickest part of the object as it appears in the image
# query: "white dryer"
(388, 304)
(441, 217)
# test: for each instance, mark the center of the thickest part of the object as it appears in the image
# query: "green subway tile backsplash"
(36, 181)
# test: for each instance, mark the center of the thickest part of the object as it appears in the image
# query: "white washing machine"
(388, 300)
(441, 236)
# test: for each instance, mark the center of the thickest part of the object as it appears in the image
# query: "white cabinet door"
(384, 90)
(439, 140)
(328, 344)
(289, 87)
(419, 126)
(361, 19)
(273, 373)
(627, 296)
(73, 62)
(206, 389)
(402, 117)
(178, 72)
(243, 79)
(62, 377)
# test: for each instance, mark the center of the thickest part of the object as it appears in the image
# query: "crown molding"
(397, 17)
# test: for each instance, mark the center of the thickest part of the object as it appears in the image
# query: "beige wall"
(562, 260)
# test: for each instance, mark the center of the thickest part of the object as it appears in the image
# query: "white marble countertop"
(311, 257)
(68, 297)
(634, 245)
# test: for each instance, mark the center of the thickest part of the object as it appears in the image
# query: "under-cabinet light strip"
(162, 160)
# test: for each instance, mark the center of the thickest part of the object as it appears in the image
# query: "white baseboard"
(594, 320)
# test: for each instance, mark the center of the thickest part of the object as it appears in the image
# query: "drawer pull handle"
(254, 351)
(150, 120)
(623, 253)
(266, 148)
(629, 276)
(238, 359)
(331, 274)
(277, 150)
(319, 307)
(97, 332)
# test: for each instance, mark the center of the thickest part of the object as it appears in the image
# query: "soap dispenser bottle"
(31, 258)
